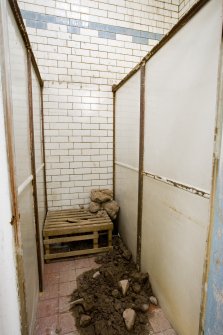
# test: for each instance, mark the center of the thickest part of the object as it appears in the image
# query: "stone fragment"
(108, 192)
(136, 288)
(124, 285)
(153, 300)
(140, 277)
(85, 320)
(111, 208)
(129, 316)
(144, 308)
(94, 207)
(100, 196)
(101, 213)
(77, 302)
(96, 274)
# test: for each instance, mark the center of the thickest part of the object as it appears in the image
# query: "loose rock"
(144, 307)
(153, 300)
(124, 285)
(111, 208)
(96, 275)
(129, 315)
(85, 320)
(100, 196)
(94, 207)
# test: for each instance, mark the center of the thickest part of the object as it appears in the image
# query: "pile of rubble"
(102, 201)
(115, 298)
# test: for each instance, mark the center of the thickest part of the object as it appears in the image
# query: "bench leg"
(47, 250)
(95, 241)
(110, 238)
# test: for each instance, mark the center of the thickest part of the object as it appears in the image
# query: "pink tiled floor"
(53, 316)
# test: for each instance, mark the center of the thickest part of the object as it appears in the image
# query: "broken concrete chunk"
(129, 316)
(94, 207)
(96, 274)
(153, 300)
(85, 320)
(108, 192)
(100, 196)
(124, 285)
(111, 208)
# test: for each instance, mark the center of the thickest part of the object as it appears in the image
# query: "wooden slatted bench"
(75, 225)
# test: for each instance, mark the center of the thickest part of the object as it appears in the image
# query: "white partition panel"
(39, 161)
(180, 102)
(20, 106)
(127, 113)
(180, 111)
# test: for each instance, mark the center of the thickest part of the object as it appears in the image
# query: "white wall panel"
(37, 119)
(9, 302)
(126, 184)
(174, 231)
(29, 252)
(180, 112)
(127, 111)
(180, 101)
(127, 116)
(19, 82)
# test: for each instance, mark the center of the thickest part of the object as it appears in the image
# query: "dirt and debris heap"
(102, 200)
(113, 299)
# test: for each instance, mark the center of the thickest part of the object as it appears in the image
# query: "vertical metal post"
(141, 164)
(114, 101)
(44, 155)
(7, 102)
(33, 167)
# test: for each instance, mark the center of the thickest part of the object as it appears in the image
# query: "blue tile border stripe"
(40, 21)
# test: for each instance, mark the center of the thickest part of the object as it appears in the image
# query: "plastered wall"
(83, 48)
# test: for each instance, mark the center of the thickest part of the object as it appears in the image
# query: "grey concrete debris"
(129, 316)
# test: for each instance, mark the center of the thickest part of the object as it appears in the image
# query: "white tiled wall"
(185, 5)
(82, 48)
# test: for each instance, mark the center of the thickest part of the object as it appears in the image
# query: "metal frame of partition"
(141, 67)
(7, 100)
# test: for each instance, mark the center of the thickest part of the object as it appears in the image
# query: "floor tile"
(50, 292)
(48, 307)
(52, 267)
(67, 323)
(82, 263)
(66, 266)
(158, 321)
(64, 304)
(66, 276)
(47, 326)
(80, 271)
(93, 264)
(67, 288)
(50, 279)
